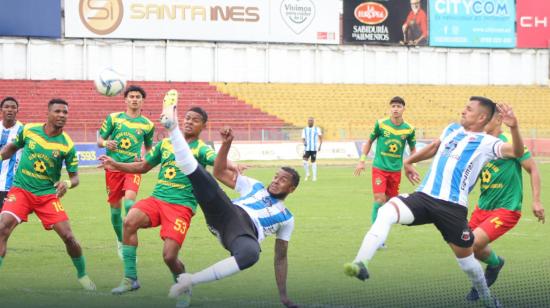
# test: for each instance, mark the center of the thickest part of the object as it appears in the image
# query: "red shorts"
(119, 182)
(48, 208)
(174, 219)
(495, 223)
(386, 182)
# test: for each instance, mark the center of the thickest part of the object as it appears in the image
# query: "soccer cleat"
(314, 179)
(168, 118)
(357, 270)
(119, 250)
(184, 300)
(491, 275)
(126, 285)
(87, 283)
(306, 177)
(183, 285)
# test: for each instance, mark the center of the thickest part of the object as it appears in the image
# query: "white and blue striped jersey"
(9, 166)
(458, 162)
(311, 137)
(270, 216)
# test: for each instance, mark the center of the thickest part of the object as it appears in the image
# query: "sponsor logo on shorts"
(465, 235)
(11, 198)
(378, 181)
(497, 222)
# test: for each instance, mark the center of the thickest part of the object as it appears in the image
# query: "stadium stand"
(349, 111)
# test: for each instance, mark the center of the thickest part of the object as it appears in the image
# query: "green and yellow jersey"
(390, 144)
(42, 159)
(172, 185)
(129, 133)
(502, 182)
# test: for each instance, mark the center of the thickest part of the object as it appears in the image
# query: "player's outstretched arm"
(223, 171)
(8, 150)
(365, 149)
(107, 162)
(281, 270)
(62, 187)
(531, 167)
(509, 119)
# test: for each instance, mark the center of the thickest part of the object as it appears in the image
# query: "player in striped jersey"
(500, 202)
(10, 129)
(242, 224)
(442, 199)
(37, 187)
(312, 136)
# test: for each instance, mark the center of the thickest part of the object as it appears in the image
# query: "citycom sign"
(533, 24)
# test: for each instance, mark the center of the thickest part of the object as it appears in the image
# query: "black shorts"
(225, 220)
(3, 195)
(312, 154)
(449, 218)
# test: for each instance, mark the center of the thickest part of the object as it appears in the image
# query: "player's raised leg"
(74, 250)
(135, 220)
(394, 211)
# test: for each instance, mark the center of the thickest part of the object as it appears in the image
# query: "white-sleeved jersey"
(311, 137)
(270, 216)
(458, 162)
(8, 167)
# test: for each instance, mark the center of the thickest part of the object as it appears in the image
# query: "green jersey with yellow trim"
(129, 133)
(502, 182)
(42, 159)
(390, 144)
(172, 185)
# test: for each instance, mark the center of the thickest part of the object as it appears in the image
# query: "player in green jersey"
(37, 187)
(124, 134)
(172, 203)
(392, 134)
(500, 201)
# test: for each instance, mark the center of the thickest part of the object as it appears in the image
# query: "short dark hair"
(133, 88)
(54, 101)
(9, 98)
(200, 111)
(397, 100)
(486, 103)
(294, 174)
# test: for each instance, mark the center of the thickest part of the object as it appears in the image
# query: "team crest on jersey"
(403, 137)
(465, 235)
(378, 181)
(32, 145)
(386, 133)
(165, 154)
(139, 131)
(55, 153)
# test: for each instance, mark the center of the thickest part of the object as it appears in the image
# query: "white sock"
(220, 270)
(184, 157)
(314, 170)
(306, 168)
(387, 216)
(473, 269)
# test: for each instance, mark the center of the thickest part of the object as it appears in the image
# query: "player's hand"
(359, 168)
(288, 303)
(538, 211)
(227, 134)
(106, 162)
(242, 168)
(60, 189)
(111, 145)
(508, 116)
(411, 173)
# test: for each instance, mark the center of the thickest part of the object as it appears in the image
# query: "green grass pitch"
(332, 216)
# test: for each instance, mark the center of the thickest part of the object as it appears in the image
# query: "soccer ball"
(109, 82)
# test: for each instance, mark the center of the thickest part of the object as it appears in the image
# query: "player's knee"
(69, 239)
(130, 224)
(246, 251)
(387, 213)
(170, 257)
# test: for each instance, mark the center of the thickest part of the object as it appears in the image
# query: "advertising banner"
(288, 151)
(533, 29)
(289, 21)
(473, 23)
(31, 18)
(402, 22)
(88, 154)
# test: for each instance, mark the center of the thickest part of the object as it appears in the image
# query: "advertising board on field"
(88, 154)
(533, 28)
(402, 22)
(288, 21)
(473, 23)
(31, 18)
